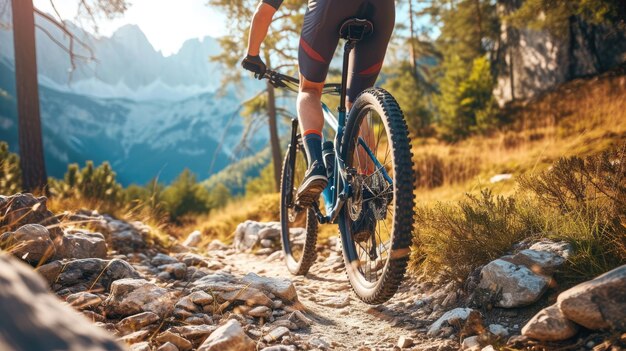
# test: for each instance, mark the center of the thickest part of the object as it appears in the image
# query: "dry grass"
(222, 223)
(159, 235)
(582, 118)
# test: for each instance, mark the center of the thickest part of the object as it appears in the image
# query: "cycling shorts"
(320, 36)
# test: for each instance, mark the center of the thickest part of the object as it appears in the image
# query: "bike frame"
(340, 188)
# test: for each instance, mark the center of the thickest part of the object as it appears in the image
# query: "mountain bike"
(371, 174)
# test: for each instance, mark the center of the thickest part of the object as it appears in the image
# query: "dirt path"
(341, 320)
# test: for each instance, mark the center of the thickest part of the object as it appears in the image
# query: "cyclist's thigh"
(369, 54)
(320, 35)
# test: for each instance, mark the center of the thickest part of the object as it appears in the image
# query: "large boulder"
(20, 209)
(550, 325)
(30, 242)
(86, 274)
(514, 285)
(599, 303)
(133, 296)
(35, 319)
(228, 337)
(82, 244)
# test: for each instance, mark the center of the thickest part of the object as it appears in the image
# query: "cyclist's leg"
(366, 62)
(369, 54)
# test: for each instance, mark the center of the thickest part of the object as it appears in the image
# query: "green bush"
(10, 172)
(583, 201)
(90, 183)
(185, 196)
(264, 183)
(454, 240)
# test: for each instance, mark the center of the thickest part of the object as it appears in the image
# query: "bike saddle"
(356, 29)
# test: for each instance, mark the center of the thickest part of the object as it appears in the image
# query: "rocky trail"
(141, 296)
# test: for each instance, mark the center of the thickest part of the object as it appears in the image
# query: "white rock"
(404, 342)
(500, 177)
(194, 239)
(228, 337)
(518, 285)
(498, 330)
(452, 316)
(561, 248)
(275, 334)
(470, 343)
(540, 262)
(550, 325)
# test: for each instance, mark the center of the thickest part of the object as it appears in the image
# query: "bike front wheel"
(376, 222)
(298, 225)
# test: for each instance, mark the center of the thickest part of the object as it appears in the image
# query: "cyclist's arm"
(260, 24)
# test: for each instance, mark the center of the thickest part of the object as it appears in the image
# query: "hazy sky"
(166, 23)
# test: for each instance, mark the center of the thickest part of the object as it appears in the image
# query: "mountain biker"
(318, 41)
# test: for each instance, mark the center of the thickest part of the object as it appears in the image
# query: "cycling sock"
(313, 146)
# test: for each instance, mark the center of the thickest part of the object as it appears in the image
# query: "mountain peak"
(129, 31)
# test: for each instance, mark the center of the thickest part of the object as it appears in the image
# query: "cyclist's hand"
(254, 64)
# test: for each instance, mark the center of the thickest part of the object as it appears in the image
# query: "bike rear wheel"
(376, 223)
(298, 225)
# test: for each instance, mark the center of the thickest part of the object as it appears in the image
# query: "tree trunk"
(29, 122)
(274, 141)
(413, 43)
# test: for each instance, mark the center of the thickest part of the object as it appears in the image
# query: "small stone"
(550, 325)
(228, 337)
(194, 239)
(176, 270)
(168, 346)
(470, 343)
(276, 334)
(82, 244)
(135, 337)
(404, 342)
(561, 248)
(300, 319)
(260, 311)
(319, 343)
(498, 330)
(452, 317)
(216, 245)
(187, 304)
(336, 301)
(84, 300)
(136, 322)
(141, 346)
(194, 332)
(163, 259)
(180, 342)
(201, 298)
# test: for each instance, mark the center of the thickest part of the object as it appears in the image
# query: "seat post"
(344, 74)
